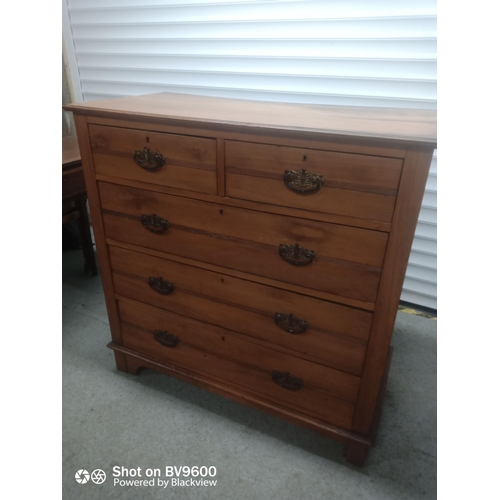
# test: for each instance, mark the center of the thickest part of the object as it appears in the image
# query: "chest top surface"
(398, 126)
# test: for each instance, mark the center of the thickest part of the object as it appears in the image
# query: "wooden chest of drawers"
(257, 249)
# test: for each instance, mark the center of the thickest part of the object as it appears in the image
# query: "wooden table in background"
(74, 197)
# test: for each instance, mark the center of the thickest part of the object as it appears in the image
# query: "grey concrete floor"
(151, 421)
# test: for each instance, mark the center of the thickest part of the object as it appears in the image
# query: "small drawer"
(344, 184)
(321, 331)
(205, 349)
(177, 161)
(332, 258)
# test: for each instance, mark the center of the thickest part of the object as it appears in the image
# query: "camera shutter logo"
(82, 476)
(98, 476)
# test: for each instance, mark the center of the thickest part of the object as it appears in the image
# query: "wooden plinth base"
(356, 445)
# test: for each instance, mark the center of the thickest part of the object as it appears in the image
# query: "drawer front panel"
(188, 162)
(335, 335)
(215, 352)
(348, 260)
(352, 185)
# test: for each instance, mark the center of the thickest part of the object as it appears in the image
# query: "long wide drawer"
(336, 259)
(179, 161)
(346, 184)
(218, 353)
(314, 329)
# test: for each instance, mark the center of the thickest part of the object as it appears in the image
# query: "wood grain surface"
(327, 394)
(254, 278)
(98, 230)
(134, 362)
(252, 205)
(249, 241)
(353, 185)
(190, 162)
(414, 178)
(336, 335)
(410, 126)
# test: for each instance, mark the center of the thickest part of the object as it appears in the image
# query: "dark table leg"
(86, 237)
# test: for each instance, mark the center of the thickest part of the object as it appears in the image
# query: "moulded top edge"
(409, 126)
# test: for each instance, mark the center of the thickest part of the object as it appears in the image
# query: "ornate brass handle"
(165, 338)
(302, 182)
(296, 255)
(160, 285)
(154, 223)
(287, 381)
(148, 159)
(291, 323)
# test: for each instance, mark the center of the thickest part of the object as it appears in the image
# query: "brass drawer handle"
(148, 159)
(154, 223)
(296, 255)
(160, 285)
(302, 182)
(165, 338)
(291, 323)
(287, 381)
